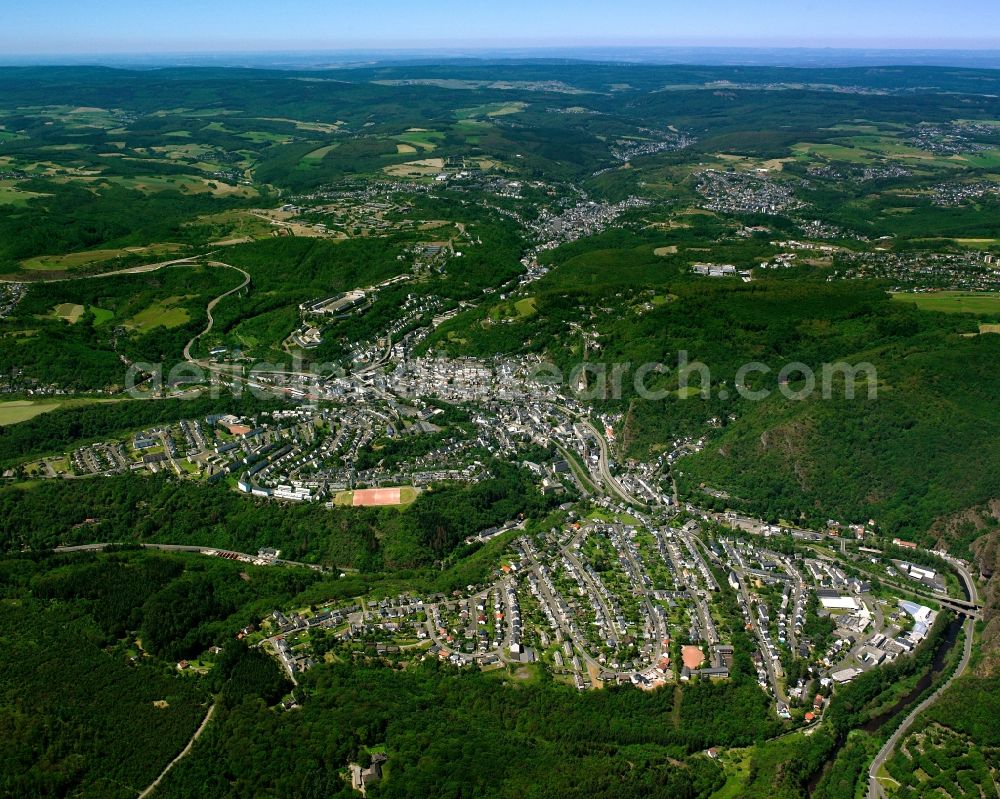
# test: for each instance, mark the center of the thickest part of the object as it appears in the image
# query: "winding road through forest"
(211, 307)
(183, 753)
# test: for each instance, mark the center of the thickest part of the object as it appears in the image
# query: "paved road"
(575, 638)
(594, 590)
(184, 752)
(765, 652)
(178, 548)
(579, 474)
(606, 476)
(609, 478)
(875, 790)
(132, 270)
(605, 473)
(211, 306)
(503, 651)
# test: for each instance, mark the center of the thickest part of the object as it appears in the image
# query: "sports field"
(692, 656)
(377, 497)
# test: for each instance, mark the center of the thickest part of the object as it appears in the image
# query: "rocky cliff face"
(981, 527)
(986, 550)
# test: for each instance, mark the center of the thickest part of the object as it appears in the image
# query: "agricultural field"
(10, 194)
(978, 303)
(69, 312)
(17, 411)
(422, 168)
(491, 110)
(79, 260)
(163, 313)
(420, 138)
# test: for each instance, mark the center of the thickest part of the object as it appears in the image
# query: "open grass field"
(155, 184)
(164, 313)
(519, 309)
(601, 515)
(320, 154)
(319, 127)
(425, 167)
(69, 311)
(745, 163)
(11, 195)
(236, 224)
(525, 307)
(833, 152)
(75, 260)
(101, 315)
(868, 147)
(264, 137)
(976, 243)
(23, 410)
(491, 110)
(736, 765)
(425, 140)
(989, 159)
(15, 411)
(971, 302)
(178, 151)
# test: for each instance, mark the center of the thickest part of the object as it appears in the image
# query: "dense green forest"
(90, 700)
(441, 728)
(157, 509)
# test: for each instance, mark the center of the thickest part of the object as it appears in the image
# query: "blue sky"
(120, 26)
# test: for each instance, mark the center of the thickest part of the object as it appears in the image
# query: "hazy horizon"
(108, 28)
(691, 55)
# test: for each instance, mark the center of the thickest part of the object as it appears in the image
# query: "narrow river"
(940, 658)
(950, 637)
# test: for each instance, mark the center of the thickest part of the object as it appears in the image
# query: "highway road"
(605, 471)
(211, 306)
(605, 475)
(132, 270)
